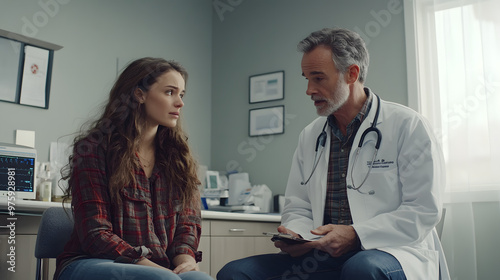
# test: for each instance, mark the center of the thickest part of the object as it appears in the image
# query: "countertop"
(31, 207)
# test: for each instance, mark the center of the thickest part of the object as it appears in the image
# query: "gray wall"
(95, 35)
(261, 36)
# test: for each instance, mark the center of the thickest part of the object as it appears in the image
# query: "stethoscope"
(320, 142)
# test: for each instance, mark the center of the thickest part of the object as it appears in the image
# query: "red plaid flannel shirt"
(147, 216)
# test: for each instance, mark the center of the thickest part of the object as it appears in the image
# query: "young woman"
(133, 184)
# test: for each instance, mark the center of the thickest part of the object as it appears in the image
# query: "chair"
(53, 233)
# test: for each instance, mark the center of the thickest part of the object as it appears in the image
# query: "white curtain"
(454, 80)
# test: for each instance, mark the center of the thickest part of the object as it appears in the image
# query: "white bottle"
(45, 186)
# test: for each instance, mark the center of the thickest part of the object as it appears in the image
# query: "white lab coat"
(407, 177)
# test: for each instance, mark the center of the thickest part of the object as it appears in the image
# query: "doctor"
(365, 181)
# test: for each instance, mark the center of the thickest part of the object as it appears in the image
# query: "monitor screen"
(17, 171)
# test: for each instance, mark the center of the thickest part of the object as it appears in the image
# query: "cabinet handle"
(237, 230)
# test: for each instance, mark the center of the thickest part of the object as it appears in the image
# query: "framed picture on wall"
(266, 121)
(25, 69)
(266, 87)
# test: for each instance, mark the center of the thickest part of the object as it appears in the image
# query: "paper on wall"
(25, 138)
(36, 62)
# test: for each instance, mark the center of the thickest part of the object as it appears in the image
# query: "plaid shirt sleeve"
(91, 204)
(187, 232)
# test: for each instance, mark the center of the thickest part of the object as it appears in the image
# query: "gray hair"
(348, 48)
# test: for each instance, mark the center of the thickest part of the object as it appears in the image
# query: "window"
(457, 65)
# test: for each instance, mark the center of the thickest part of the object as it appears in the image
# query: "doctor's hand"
(337, 239)
(294, 250)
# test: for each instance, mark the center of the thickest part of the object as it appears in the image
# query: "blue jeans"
(370, 264)
(104, 269)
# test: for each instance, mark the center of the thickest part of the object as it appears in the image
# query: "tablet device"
(287, 238)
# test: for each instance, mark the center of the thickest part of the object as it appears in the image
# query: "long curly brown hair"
(119, 130)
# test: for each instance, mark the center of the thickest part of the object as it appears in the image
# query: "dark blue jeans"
(369, 264)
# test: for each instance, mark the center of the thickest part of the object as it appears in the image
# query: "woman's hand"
(147, 262)
(184, 263)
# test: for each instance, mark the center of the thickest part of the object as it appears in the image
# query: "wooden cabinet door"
(232, 240)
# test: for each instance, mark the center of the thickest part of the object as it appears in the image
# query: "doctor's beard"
(340, 96)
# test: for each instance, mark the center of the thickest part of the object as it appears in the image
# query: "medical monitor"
(17, 171)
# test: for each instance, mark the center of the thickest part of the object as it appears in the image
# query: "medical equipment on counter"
(17, 172)
(239, 188)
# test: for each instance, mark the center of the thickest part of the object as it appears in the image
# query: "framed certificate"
(266, 121)
(266, 87)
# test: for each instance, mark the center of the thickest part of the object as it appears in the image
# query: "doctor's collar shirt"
(337, 210)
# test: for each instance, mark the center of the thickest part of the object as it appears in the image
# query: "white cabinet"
(231, 240)
(204, 246)
(26, 228)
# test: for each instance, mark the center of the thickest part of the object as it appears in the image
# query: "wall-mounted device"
(17, 171)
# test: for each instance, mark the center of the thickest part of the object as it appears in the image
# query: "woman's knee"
(106, 269)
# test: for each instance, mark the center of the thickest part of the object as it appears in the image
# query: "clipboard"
(287, 238)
